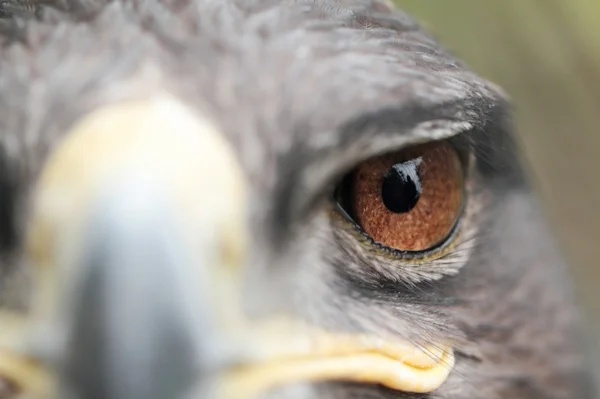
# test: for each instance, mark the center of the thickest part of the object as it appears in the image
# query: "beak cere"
(139, 236)
(139, 216)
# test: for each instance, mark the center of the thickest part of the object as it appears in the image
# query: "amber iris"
(409, 200)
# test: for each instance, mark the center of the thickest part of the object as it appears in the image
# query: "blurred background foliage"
(546, 55)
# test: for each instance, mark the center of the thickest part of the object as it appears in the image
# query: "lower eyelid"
(446, 259)
(381, 250)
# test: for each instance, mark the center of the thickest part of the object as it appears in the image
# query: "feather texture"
(305, 90)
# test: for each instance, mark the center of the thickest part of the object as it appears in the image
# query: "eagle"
(269, 199)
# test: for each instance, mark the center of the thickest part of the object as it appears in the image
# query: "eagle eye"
(409, 200)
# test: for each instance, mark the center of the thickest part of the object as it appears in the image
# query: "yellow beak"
(139, 236)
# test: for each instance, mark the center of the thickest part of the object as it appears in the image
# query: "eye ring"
(406, 225)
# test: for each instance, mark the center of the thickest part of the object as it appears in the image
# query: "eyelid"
(314, 181)
(381, 250)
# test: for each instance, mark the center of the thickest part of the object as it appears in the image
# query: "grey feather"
(305, 90)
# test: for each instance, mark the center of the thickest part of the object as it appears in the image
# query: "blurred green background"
(546, 55)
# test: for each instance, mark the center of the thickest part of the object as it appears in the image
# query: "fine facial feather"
(305, 90)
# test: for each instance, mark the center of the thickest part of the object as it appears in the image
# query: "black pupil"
(401, 188)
